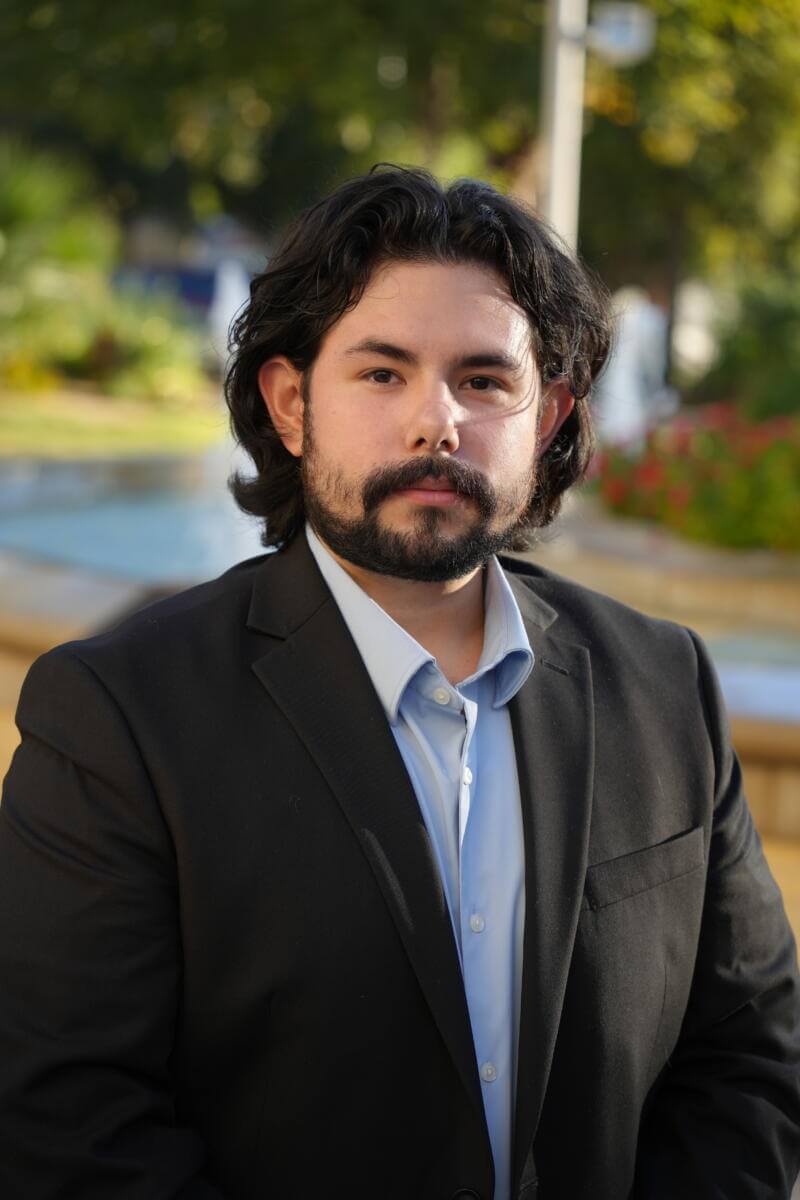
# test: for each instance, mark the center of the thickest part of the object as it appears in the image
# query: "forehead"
(432, 305)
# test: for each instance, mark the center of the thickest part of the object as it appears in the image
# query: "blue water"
(179, 526)
(156, 538)
(759, 674)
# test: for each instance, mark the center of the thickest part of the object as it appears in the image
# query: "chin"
(429, 519)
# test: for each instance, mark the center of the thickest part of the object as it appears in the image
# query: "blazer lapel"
(553, 721)
(316, 676)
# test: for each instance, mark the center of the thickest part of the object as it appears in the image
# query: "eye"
(381, 375)
(484, 383)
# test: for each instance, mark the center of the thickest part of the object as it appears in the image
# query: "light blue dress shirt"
(458, 749)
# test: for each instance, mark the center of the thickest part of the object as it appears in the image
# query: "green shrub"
(713, 476)
(758, 361)
(60, 318)
(47, 215)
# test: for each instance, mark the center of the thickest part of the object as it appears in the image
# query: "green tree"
(692, 159)
(263, 103)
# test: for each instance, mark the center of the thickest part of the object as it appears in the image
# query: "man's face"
(421, 424)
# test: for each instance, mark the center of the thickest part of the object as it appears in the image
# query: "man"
(376, 868)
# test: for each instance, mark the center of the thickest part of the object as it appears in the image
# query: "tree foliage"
(272, 98)
(691, 159)
(61, 318)
(696, 153)
(758, 361)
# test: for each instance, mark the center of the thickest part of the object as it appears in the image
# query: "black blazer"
(227, 966)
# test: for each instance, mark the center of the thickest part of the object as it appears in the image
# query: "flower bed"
(712, 476)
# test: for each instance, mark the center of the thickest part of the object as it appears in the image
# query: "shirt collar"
(506, 648)
(392, 657)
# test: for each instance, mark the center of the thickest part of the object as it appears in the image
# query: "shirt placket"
(477, 935)
(466, 773)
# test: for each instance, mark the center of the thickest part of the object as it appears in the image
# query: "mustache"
(465, 480)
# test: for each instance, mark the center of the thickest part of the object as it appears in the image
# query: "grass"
(80, 424)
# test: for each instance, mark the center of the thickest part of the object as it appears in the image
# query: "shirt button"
(467, 776)
(477, 923)
(488, 1072)
(441, 696)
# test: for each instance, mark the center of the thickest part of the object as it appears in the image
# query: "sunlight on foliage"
(61, 319)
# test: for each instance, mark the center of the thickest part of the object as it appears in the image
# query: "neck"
(445, 618)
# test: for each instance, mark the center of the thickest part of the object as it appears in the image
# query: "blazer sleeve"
(90, 957)
(723, 1119)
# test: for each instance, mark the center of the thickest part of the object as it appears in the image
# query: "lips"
(439, 493)
(430, 485)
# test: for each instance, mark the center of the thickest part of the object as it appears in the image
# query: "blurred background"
(151, 153)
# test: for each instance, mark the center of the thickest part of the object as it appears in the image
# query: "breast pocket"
(634, 953)
(609, 882)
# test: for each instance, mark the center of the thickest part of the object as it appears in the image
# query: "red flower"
(614, 490)
(649, 474)
(679, 496)
(719, 416)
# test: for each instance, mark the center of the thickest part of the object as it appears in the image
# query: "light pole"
(621, 33)
(562, 114)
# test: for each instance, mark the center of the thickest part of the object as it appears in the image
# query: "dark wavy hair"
(320, 270)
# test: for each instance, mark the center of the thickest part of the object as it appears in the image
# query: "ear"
(281, 386)
(557, 403)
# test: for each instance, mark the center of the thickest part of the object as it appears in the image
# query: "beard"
(430, 552)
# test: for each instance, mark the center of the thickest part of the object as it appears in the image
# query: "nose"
(433, 422)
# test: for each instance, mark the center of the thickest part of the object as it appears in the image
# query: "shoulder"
(186, 632)
(588, 616)
(626, 647)
(657, 672)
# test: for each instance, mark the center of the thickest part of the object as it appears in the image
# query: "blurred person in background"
(384, 866)
(632, 395)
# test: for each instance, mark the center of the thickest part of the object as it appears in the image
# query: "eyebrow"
(484, 358)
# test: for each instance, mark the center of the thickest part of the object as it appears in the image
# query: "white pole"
(562, 115)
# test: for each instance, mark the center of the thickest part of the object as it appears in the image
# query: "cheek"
(509, 445)
(358, 435)
(347, 445)
(332, 427)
